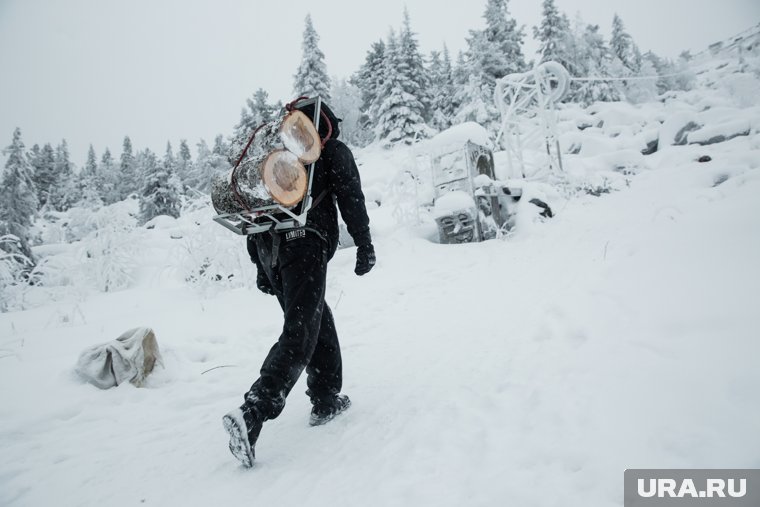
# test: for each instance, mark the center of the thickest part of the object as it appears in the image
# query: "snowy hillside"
(528, 370)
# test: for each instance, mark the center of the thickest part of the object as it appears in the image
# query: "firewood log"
(272, 170)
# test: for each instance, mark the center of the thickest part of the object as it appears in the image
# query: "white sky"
(92, 71)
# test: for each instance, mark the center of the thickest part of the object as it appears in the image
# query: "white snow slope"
(526, 371)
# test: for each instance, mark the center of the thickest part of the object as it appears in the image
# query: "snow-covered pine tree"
(476, 103)
(368, 79)
(207, 164)
(129, 174)
(33, 157)
(18, 198)
(370, 76)
(474, 95)
(346, 104)
(44, 173)
(311, 79)
(89, 182)
(553, 35)
(492, 53)
(624, 48)
(416, 76)
(184, 162)
(447, 103)
(65, 192)
(203, 169)
(258, 110)
(435, 71)
(398, 112)
(461, 72)
(672, 76)
(498, 48)
(109, 178)
(170, 166)
(593, 60)
(442, 89)
(160, 194)
(170, 161)
(90, 169)
(220, 147)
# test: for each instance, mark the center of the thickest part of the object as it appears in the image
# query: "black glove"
(365, 259)
(263, 283)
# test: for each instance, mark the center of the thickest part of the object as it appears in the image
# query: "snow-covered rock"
(673, 131)
(161, 222)
(720, 132)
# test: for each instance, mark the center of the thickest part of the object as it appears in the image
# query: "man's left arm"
(348, 191)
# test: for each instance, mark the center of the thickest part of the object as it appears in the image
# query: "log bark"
(278, 177)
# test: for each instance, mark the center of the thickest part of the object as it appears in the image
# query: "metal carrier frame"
(275, 216)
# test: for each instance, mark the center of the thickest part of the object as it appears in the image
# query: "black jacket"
(336, 172)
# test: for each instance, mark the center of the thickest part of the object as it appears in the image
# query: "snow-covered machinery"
(527, 103)
(469, 204)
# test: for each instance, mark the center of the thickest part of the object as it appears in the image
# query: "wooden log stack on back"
(272, 170)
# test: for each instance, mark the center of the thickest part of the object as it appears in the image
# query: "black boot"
(325, 409)
(244, 425)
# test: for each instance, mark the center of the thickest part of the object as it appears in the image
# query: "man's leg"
(325, 372)
(302, 269)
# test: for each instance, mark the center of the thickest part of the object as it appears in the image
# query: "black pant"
(309, 339)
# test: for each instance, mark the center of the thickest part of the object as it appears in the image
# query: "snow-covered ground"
(527, 370)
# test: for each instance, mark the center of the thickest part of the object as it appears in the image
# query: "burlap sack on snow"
(129, 358)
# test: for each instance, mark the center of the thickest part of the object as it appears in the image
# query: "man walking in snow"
(292, 266)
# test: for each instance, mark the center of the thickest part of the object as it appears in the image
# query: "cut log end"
(285, 177)
(300, 137)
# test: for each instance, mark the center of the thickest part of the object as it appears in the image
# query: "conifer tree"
(554, 36)
(594, 60)
(398, 112)
(311, 79)
(129, 175)
(416, 79)
(90, 169)
(184, 162)
(442, 89)
(89, 182)
(160, 194)
(492, 53)
(44, 173)
(220, 147)
(258, 110)
(18, 198)
(497, 50)
(109, 189)
(202, 170)
(624, 48)
(65, 192)
(369, 77)
(347, 104)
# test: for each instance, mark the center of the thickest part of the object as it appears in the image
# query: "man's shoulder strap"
(319, 198)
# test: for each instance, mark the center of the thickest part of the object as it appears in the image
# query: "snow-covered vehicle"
(470, 204)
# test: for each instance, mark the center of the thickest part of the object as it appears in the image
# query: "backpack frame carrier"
(276, 217)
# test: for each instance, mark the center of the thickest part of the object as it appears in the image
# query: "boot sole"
(239, 446)
(319, 421)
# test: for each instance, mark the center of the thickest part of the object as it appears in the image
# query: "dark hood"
(323, 128)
